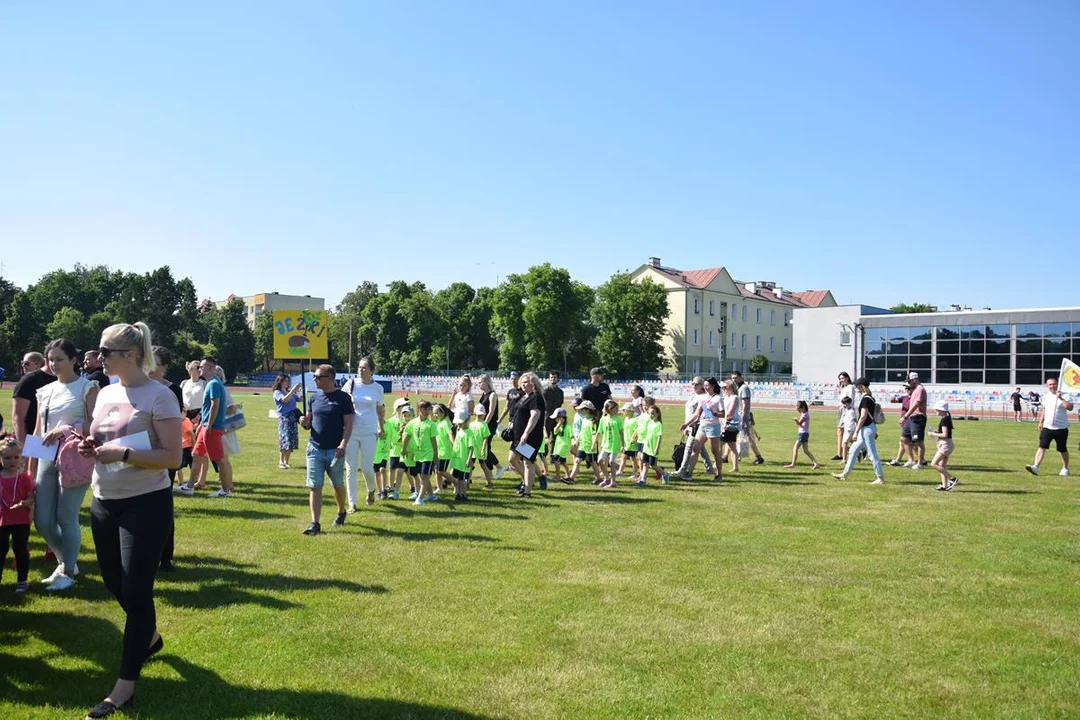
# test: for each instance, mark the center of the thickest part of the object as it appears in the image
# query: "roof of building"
(701, 279)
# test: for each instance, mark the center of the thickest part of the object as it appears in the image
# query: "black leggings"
(129, 536)
(18, 537)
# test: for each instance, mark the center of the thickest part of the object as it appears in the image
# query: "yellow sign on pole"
(300, 335)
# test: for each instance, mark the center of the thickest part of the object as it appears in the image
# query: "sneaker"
(1033, 469)
(567, 480)
(282, 466)
(395, 495)
(718, 478)
(221, 494)
(313, 529)
(55, 575)
(952, 483)
(61, 583)
(21, 587)
(352, 509)
(419, 501)
(432, 497)
(370, 499)
(893, 463)
(543, 482)
(413, 495)
(839, 476)
(685, 476)
(499, 472)
(917, 466)
(184, 489)
(1064, 472)
(908, 464)
(837, 457)
(942, 487)
(877, 481)
(640, 483)
(339, 521)
(665, 478)
(759, 460)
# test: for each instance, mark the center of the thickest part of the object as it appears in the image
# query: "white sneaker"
(1033, 469)
(420, 500)
(61, 583)
(878, 481)
(184, 489)
(1064, 472)
(499, 471)
(55, 574)
(221, 494)
(908, 464)
(916, 467)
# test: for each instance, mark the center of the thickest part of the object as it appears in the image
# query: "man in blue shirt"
(330, 419)
(211, 432)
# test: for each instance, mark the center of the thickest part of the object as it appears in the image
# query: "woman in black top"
(490, 400)
(528, 429)
(864, 434)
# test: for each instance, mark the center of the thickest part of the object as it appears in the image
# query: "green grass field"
(780, 593)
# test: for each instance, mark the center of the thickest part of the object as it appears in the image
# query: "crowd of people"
(112, 422)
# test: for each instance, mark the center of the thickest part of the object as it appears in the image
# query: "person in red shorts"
(211, 430)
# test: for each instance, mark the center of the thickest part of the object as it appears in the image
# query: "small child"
(419, 446)
(847, 420)
(562, 436)
(461, 461)
(16, 505)
(392, 428)
(382, 451)
(609, 441)
(586, 442)
(187, 441)
(945, 446)
(480, 435)
(802, 420)
(445, 442)
(631, 446)
(650, 451)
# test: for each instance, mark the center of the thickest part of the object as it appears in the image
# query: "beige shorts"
(945, 447)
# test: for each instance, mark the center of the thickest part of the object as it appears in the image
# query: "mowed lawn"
(779, 593)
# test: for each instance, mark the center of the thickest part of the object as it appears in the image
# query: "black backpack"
(677, 454)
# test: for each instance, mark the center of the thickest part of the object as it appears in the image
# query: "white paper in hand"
(137, 441)
(35, 447)
(525, 450)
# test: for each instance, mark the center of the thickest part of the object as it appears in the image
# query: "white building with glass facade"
(1000, 348)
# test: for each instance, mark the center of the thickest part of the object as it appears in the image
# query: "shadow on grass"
(454, 510)
(982, 469)
(615, 498)
(223, 511)
(963, 489)
(32, 680)
(424, 536)
(220, 583)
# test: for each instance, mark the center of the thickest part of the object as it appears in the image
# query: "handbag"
(74, 469)
(743, 446)
(235, 422)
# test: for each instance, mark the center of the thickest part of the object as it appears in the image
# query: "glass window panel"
(997, 346)
(1029, 362)
(1057, 346)
(875, 376)
(898, 348)
(973, 347)
(1030, 330)
(999, 362)
(971, 376)
(919, 347)
(875, 361)
(948, 361)
(896, 375)
(948, 376)
(972, 362)
(997, 377)
(1052, 362)
(1028, 346)
(1076, 329)
(972, 332)
(948, 347)
(875, 339)
(948, 333)
(1029, 377)
(1055, 330)
(897, 362)
(898, 334)
(998, 331)
(920, 333)
(919, 362)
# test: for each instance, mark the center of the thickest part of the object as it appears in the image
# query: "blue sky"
(887, 151)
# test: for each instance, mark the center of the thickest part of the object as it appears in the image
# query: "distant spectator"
(92, 368)
(553, 400)
(913, 423)
(746, 413)
(192, 390)
(24, 404)
(844, 389)
(288, 416)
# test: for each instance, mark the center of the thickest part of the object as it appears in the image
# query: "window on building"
(757, 342)
(697, 337)
(772, 344)
(712, 307)
(712, 367)
(787, 319)
(787, 346)
(711, 341)
(733, 340)
(772, 317)
(962, 354)
(697, 365)
(757, 316)
(744, 313)
(734, 310)
(744, 341)
(697, 306)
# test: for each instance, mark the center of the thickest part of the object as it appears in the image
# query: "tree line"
(541, 318)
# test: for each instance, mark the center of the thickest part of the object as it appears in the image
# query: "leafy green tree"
(22, 330)
(232, 339)
(187, 312)
(629, 319)
(508, 322)
(759, 364)
(264, 340)
(912, 308)
(482, 350)
(383, 322)
(69, 323)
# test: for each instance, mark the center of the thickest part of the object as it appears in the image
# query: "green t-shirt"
(611, 427)
(421, 433)
(563, 437)
(462, 449)
(630, 429)
(444, 439)
(654, 430)
(392, 430)
(382, 445)
(585, 437)
(479, 432)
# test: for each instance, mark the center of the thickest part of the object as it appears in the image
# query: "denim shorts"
(710, 430)
(321, 461)
(804, 437)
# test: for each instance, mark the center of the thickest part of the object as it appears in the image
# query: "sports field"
(779, 593)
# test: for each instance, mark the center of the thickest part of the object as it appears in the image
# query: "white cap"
(400, 402)
(558, 413)
(480, 410)
(585, 405)
(941, 406)
(913, 375)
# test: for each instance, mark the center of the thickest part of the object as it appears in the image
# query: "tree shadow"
(32, 681)
(614, 498)
(220, 582)
(221, 510)
(423, 536)
(963, 489)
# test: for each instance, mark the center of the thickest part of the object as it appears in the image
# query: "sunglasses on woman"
(105, 352)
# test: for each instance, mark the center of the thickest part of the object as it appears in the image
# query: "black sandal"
(105, 708)
(155, 648)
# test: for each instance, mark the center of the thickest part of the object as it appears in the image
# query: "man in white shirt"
(1053, 426)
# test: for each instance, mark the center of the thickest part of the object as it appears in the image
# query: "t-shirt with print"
(945, 423)
(444, 438)
(421, 433)
(64, 404)
(611, 433)
(121, 412)
(1055, 416)
(215, 390)
(26, 389)
(513, 397)
(328, 413)
(367, 399)
(654, 431)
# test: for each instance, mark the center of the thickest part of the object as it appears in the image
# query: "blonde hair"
(219, 373)
(484, 381)
(10, 442)
(134, 337)
(531, 377)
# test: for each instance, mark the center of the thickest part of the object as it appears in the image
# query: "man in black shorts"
(1053, 427)
(1015, 397)
(913, 423)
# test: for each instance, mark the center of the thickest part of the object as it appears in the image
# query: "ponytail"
(136, 337)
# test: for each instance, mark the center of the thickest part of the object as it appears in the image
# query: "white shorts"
(606, 456)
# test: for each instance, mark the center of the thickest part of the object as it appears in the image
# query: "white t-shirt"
(712, 409)
(841, 393)
(733, 405)
(66, 403)
(366, 401)
(461, 409)
(192, 392)
(1055, 416)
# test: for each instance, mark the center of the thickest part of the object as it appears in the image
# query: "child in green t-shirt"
(419, 446)
(392, 429)
(461, 462)
(650, 451)
(444, 441)
(382, 451)
(586, 447)
(609, 441)
(631, 441)
(562, 435)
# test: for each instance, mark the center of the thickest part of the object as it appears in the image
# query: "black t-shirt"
(328, 411)
(100, 378)
(172, 387)
(868, 404)
(513, 397)
(553, 399)
(526, 404)
(490, 401)
(26, 389)
(945, 422)
(597, 395)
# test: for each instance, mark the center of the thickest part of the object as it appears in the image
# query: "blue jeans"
(866, 437)
(56, 513)
(321, 461)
